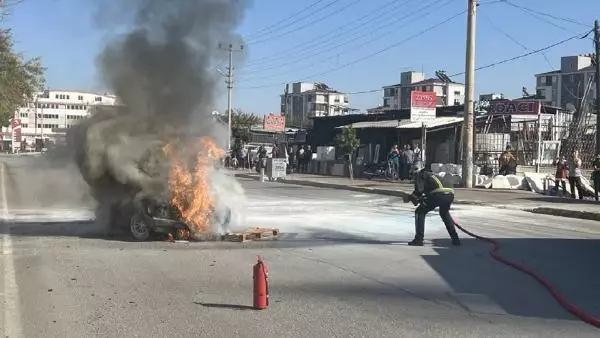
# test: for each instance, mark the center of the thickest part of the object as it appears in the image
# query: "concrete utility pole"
(229, 82)
(597, 79)
(467, 165)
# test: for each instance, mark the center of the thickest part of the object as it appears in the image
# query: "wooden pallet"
(254, 234)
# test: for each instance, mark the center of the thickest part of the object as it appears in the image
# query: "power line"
(342, 44)
(580, 36)
(268, 28)
(510, 37)
(310, 23)
(531, 10)
(302, 46)
(383, 50)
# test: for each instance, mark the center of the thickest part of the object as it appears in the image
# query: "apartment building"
(448, 92)
(307, 100)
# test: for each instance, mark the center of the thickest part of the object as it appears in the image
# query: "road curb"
(592, 216)
(377, 191)
(396, 193)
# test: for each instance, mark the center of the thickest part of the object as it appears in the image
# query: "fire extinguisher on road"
(261, 285)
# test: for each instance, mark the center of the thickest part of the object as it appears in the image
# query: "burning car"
(180, 198)
(145, 218)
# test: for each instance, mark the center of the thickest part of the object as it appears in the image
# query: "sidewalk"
(506, 199)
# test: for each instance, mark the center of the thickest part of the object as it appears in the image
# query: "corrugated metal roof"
(438, 122)
(373, 124)
(404, 124)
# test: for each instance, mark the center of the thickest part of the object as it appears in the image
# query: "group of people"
(569, 170)
(402, 159)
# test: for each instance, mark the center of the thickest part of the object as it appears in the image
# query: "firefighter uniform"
(429, 194)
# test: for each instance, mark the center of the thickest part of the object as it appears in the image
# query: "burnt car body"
(145, 218)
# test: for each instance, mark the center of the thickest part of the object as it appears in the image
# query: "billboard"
(514, 107)
(274, 122)
(422, 106)
(15, 125)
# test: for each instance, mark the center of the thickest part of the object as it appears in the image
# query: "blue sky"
(335, 42)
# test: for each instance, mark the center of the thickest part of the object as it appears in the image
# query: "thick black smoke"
(163, 72)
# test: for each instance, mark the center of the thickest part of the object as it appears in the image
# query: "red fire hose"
(553, 291)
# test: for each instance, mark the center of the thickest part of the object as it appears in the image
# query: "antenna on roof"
(441, 74)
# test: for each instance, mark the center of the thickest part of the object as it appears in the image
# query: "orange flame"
(189, 187)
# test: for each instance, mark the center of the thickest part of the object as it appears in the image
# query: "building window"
(24, 114)
(309, 98)
(345, 99)
(98, 99)
(457, 93)
(56, 96)
(548, 80)
(24, 125)
(80, 97)
(386, 102)
(540, 94)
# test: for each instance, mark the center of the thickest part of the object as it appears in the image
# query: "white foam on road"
(12, 314)
(364, 218)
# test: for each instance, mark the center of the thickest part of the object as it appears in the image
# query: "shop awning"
(372, 124)
(405, 124)
(438, 122)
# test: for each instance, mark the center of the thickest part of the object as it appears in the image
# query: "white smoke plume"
(163, 72)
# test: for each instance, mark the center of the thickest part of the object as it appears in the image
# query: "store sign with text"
(514, 107)
(422, 106)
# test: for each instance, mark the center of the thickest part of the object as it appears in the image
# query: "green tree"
(347, 142)
(241, 123)
(20, 78)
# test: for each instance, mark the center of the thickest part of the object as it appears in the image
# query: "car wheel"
(140, 230)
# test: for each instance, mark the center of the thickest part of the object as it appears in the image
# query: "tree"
(347, 142)
(241, 123)
(20, 78)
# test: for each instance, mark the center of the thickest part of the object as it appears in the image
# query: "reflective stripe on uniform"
(441, 188)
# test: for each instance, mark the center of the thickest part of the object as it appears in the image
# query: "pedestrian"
(596, 176)
(429, 194)
(404, 166)
(575, 175)
(410, 159)
(560, 177)
(262, 162)
(507, 162)
(393, 157)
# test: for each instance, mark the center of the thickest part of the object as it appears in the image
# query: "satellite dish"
(570, 107)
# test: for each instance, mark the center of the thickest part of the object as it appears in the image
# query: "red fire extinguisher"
(261, 285)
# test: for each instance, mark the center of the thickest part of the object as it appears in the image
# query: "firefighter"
(429, 194)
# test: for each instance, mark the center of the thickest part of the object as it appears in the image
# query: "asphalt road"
(341, 269)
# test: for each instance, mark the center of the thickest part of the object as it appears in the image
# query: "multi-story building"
(448, 93)
(53, 111)
(566, 86)
(306, 100)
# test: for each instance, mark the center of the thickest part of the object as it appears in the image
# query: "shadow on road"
(225, 306)
(565, 200)
(570, 265)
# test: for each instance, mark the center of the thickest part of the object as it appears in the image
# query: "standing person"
(308, 158)
(429, 194)
(404, 166)
(262, 162)
(560, 178)
(395, 161)
(575, 174)
(410, 159)
(596, 176)
(301, 155)
(507, 162)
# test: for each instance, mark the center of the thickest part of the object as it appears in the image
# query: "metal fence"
(534, 142)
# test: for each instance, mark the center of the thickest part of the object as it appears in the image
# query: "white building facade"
(53, 111)
(306, 100)
(397, 96)
(566, 86)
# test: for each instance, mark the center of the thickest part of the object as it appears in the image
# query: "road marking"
(12, 315)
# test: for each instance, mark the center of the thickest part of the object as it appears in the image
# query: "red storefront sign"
(274, 123)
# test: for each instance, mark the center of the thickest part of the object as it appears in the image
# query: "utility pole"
(229, 83)
(467, 165)
(597, 79)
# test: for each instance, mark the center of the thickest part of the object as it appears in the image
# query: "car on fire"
(145, 219)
